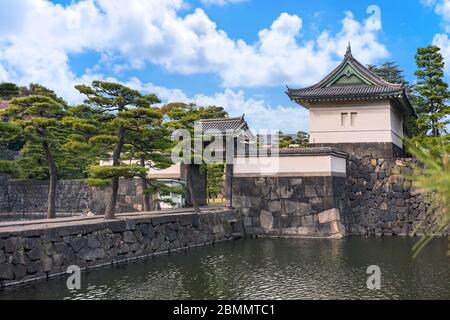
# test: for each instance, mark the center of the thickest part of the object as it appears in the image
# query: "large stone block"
(6, 271)
(91, 254)
(329, 215)
(35, 253)
(266, 220)
(310, 191)
(286, 191)
(307, 221)
(11, 244)
(305, 231)
(46, 263)
(290, 206)
(274, 206)
(304, 209)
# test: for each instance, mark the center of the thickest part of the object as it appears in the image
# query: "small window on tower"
(354, 116)
(344, 117)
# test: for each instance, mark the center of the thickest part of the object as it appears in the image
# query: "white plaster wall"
(397, 127)
(290, 166)
(375, 122)
(338, 164)
(173, 172)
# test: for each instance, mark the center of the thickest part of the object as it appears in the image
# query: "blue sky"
(236, 53)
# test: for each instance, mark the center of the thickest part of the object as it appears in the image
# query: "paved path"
(11, 226)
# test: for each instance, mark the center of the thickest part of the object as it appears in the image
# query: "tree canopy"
(183, 116)
(125, 118)
(38, 120)
(390, 72)
(431, 93)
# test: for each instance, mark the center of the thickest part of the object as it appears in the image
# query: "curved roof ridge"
(360, 68)
(222, 119)
(373, 76)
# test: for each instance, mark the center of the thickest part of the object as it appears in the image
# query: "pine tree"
(149, 146)
(120, 111)
(431, 92)
(302, 138)
(215, 179)
(8, 90)
(390, 72)
(38, 118)
(183, 116)
(284, 140)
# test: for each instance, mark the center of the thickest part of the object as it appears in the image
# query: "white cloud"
(37, 37)
(258, 113)
(165, 94)
(220, 2)
(442, 8)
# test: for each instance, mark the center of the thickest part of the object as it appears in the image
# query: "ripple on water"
(266, 269)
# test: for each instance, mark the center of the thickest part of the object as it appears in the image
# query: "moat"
(266, 269)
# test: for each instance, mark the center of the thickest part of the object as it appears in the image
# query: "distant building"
(234, 128)
(352, 105)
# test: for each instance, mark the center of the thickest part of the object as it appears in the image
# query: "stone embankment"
(381, 199)
(33, 250)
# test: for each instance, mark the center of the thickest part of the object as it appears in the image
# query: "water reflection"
(267, 269)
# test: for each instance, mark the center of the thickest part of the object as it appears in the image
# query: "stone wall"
(7, 154)
(381, 199)
(4, 201)
(383, 150)
(290, 206)
(22, 197)
(32, 252)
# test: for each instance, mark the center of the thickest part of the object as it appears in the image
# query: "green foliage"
(128, 127)
(38, 90)
(8, 166)
(9, 131)
(285, 141)
(32, 163)
(390, 72)
(161, 187)
(215, 179)
(183, 116)
(39, 119)
(302, 138)
(8, 90)
(100, 176)
(99, 183)
(123, 171)
(435, 178)
(431, 92)
(35, 120)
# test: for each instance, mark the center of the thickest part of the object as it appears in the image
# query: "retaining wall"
(28, 198)
(380, 198)
(290, 206)
(35, 251)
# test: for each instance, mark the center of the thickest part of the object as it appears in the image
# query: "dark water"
(266, 269)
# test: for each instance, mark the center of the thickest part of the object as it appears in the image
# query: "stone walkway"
(28, 225)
